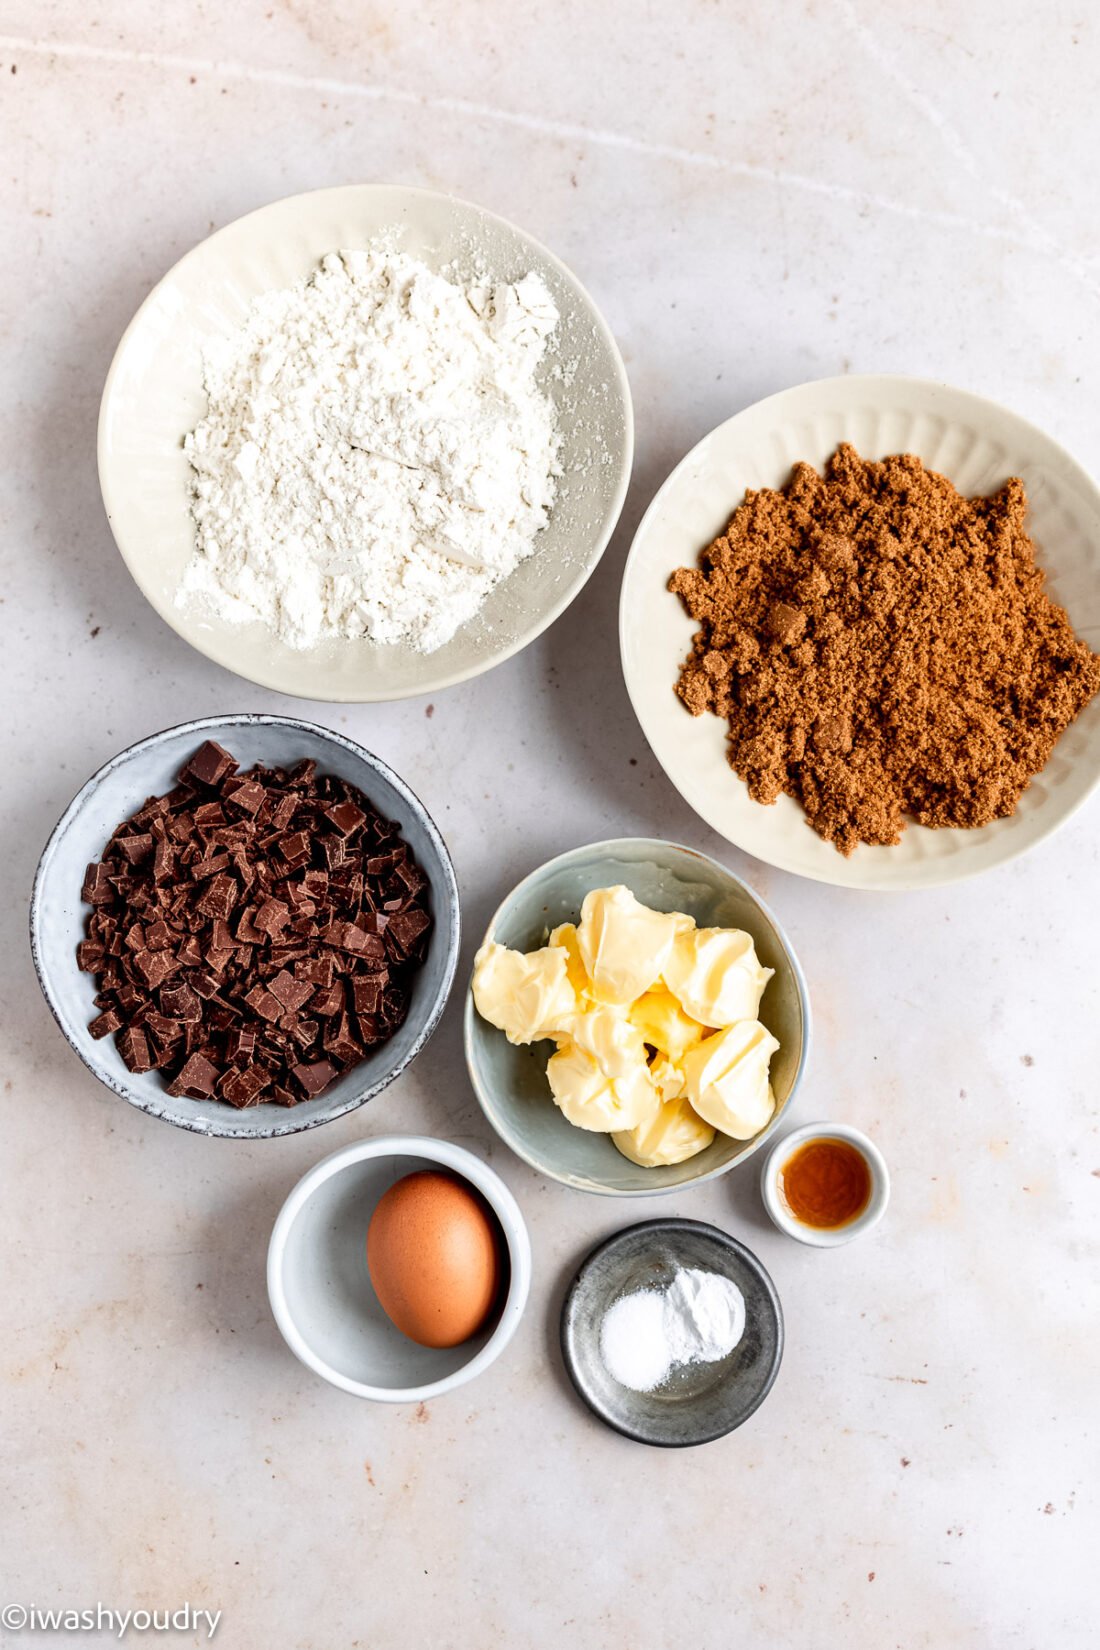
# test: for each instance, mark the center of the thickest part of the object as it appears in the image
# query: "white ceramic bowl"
(977, 445)
(149, 768)
(320, 1288)
(510, 1083)
(154, 396)
(819, 1238)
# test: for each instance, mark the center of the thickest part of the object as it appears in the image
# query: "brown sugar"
(882, 647)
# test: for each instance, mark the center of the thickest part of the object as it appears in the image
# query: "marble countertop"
(756, 194)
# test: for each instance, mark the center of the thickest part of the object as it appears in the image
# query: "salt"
(632, 1340)
(699, 1318)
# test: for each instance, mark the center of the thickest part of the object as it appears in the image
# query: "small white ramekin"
(319, 1284)
(824, 1237)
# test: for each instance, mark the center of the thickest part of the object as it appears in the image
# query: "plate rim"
(932, 874)
(109, 483)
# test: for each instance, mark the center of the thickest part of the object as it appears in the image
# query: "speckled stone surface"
(756, 195)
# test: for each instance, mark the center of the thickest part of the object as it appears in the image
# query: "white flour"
(375, 455)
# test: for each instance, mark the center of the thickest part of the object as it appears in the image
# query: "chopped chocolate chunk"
(98, 888)
(218, 898)
(240, 1045)
(158, 935)
(328, 1000)
(178, 799)
(334, 848)
(261, 1002)
(209, 814)
(285, 809)
(369, 1028)
(209, 765)
(272, 917)
(165, 1032)
(305, 1032)
(164, 862)
(314, 1076)
(104, 1024)
(247, 932)
(291, 993)
(366, 994)
(294, 848)
(190, 952)
(197, 1080)
(209, 866)
(406, 928)
(89, 956)
(155, 967)
(179, 1002)
(137, 848)
(134, 1049)
(246, 795)
(243, 1088)
(341, 1042)
(346, 817)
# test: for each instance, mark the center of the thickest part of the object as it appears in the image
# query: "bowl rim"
(54, 999)
(431, 1150)
(470, 1019)
(825, 1237)
(671, 1223)
(914, 880)
(107, 468)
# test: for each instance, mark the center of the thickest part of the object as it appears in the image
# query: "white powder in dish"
(699, 1318)
(632, 1340)
(376, 453)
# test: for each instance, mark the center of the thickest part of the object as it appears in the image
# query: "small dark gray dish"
(697, 1403)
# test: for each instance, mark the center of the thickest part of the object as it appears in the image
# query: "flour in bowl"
(376, 453)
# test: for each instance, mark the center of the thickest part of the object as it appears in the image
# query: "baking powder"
(698, 1318)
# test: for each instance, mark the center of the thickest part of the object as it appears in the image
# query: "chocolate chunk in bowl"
(237, 973)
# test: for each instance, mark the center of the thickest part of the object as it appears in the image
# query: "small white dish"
(824, 1237)
(977, 445)
(154, 395)
(320, 1288)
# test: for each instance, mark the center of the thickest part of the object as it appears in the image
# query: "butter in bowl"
(637, 1020)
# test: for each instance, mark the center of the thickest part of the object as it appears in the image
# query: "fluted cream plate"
(154, 396)
(977, 445)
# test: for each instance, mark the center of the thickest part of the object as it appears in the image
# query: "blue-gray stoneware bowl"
(149, 768)
(510, 1082)
(696, 1403)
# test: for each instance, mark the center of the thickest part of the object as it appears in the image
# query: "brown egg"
(433, 1250)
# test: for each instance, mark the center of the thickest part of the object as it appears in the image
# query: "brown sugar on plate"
(882, 648)
(253, 935)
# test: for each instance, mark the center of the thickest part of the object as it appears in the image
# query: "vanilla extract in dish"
(826, 1183)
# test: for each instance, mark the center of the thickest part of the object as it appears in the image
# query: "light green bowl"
(510, 1082)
